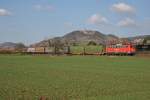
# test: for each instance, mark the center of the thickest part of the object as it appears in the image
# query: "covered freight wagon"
(31, 50)
(39, 50)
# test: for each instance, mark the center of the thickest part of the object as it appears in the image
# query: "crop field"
(24, 77)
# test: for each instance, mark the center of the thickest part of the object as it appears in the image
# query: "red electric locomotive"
(120, 49)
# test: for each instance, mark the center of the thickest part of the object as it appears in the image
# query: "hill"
(85, 36)
(139, 39)
(80, 37)
(7, 45)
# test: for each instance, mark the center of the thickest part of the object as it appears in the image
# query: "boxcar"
(39, 50)
(30, 50)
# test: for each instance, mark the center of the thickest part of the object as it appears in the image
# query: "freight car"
(37, 50)
(119, 49)
(143, 49)
(47, 50)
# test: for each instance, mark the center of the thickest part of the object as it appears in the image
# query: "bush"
(92, 43)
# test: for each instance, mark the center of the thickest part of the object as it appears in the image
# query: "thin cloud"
(144, 26)
(127, 22)
(97, 19)
(123, 8)
(43, 7)
(68, 24)
(4, 12)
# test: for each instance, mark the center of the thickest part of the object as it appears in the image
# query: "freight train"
(115, 49)
(109, 49)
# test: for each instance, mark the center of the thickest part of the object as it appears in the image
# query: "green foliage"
(147, 40)
(19, 46)
(74, 44)
(92, 43)
(74, 78)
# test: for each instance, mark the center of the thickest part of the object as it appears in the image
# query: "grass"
(74, 78)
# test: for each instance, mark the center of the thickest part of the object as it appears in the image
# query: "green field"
(74, 78)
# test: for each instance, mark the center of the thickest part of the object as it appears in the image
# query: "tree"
(92, 43)
(146, 40)
(49, 43)
(20, 46)
(58, 45)
(74, 44)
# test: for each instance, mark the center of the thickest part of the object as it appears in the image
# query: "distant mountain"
(81, 37)
(138, 37)
(6, 45)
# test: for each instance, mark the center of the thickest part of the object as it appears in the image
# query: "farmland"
(25, 77)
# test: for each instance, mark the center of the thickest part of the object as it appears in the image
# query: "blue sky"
(30, 21)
